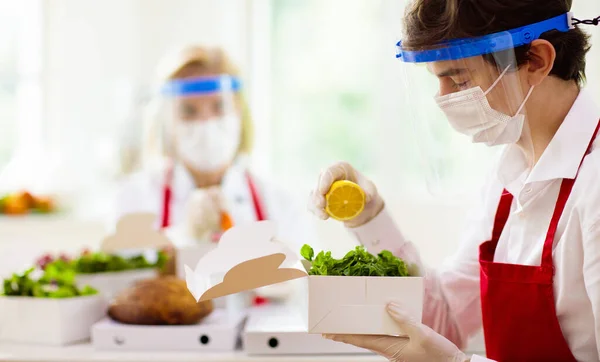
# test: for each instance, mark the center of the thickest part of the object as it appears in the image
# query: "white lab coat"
(143, 192)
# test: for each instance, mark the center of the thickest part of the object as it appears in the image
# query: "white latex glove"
(422, 344)
(344, 171)
(203, 213)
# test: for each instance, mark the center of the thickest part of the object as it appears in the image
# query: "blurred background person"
(195, 170)
(201, 156)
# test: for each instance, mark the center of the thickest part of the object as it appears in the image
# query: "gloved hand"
(203, 213)
(422, 344)
(344, 171)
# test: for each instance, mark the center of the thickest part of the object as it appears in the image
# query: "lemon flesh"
(345, 200)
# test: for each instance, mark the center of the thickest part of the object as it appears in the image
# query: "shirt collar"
(562, 157)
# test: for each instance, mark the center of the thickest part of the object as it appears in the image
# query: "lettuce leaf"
(98, 262)
(56, 282)
(357, 262)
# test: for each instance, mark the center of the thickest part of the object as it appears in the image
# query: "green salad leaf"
(357, 262)
(59, 271)
(54, 282)
(58, 275)
(307, 252)
(90, 263)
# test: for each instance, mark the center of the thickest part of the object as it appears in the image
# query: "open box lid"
(135, 231)
(247, 257)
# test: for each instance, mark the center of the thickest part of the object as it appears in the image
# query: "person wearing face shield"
(509, 73)
(196, 176)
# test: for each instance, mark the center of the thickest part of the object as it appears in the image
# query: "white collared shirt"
(453, 305)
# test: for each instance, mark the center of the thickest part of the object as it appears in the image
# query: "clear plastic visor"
(181, 105)
(463, 113)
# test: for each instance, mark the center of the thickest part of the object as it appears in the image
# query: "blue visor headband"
(492, 43)
(204, 85)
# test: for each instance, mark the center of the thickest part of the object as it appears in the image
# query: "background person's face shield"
(202, 124)
(463, 98)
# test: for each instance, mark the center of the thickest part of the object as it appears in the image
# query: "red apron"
(168, 195)
(518, 306)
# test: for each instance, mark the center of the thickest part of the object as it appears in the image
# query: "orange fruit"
(226, 221)
(15, 205)
(44, 204)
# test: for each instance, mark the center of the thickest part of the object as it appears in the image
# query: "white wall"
(589, 9)
(100, 57)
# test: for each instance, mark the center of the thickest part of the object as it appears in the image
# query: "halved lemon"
(345, 200)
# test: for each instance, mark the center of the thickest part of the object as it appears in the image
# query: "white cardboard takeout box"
(249, 257)
(49, 321)
(278, 329)
(219, 331)
(134, 232)
(189, 254)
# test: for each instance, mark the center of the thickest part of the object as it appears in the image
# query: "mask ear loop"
(497, 80)
(525, 100)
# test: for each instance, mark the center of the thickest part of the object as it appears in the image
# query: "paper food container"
(219, 331)
(190, 254)
(49, 321)
(277, 329)
(134, 232)
(249, 257)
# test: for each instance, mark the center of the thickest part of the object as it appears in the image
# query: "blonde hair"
(212, 61)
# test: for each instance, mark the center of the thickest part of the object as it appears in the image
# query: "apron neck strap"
(565, 191)
(256, 200)
(502, 214)
(167, 195)
(504, 206)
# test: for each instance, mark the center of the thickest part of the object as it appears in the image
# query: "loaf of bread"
(159, 301)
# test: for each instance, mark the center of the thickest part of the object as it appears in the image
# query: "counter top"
(86, 353)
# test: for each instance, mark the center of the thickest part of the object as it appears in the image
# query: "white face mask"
(470, 113)
(208, 145)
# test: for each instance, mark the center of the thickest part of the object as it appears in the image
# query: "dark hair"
(428, 22)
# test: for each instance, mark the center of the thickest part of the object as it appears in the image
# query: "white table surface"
(86, 353)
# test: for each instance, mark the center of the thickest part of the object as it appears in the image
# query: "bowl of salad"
(109, 273)
(47, 307)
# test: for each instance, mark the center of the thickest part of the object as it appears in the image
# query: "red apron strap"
(502, 214)
(167, 196)
(256, 201)
(563, 195)
(260, 216)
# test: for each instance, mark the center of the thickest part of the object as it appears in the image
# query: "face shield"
(464, 97)
(202, 126)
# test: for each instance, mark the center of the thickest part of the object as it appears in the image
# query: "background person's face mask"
(208, 145)
(470, 113)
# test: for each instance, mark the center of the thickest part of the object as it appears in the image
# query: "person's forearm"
(436, 310)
